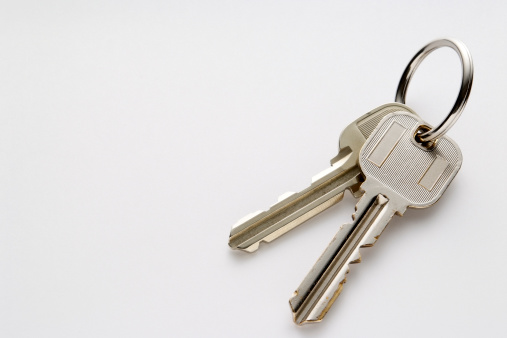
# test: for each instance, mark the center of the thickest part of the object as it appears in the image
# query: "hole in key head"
(427, 145)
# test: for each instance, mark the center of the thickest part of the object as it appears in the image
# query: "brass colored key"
(327, 187)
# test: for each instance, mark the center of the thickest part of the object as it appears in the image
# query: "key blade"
(326, 190)
(312, 300)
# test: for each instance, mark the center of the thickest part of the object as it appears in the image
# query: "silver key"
(399, 173)
(327, 188)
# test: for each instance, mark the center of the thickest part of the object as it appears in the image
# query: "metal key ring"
(464, 92)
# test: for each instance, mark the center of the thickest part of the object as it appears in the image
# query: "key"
(399, 173)
(327, 188)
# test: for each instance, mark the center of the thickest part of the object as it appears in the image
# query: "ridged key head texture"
(392, 158)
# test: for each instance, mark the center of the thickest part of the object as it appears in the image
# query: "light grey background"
(133, 134)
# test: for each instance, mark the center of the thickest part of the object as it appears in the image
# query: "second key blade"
(324, 282)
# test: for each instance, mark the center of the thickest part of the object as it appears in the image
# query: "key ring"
(432, 135)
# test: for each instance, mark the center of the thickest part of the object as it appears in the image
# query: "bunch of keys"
(389, 158)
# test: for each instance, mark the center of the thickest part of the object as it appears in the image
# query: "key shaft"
(323, 284)
(296, 208)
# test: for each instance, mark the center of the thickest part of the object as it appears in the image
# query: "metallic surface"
(327, 188)
(433, 174)
(464, 93)
(382, 150)
(388, 190)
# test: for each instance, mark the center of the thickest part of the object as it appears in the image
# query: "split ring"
(464, 92)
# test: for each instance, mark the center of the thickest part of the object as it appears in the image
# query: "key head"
(355, 134)
(396, 165)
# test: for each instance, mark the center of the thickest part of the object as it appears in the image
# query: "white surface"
(134, 134)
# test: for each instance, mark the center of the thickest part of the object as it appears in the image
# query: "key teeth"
(319, 311)
(285, 196)
(363, 199)
(252, 248)
(371, 240)
(325, 172)
(317, 319)
(356, 258)
(246, 219)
